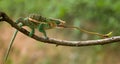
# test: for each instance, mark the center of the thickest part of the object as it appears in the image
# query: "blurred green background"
(94, 15)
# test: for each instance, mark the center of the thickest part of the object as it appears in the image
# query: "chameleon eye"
(58, 22)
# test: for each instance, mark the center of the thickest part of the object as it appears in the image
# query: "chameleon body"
(35, 21)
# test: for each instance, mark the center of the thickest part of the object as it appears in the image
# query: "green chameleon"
(40, 23)
(35, 21)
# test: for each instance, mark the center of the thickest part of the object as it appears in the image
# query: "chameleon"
(35, 21)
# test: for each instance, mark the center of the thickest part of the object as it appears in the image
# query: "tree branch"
(4, 17)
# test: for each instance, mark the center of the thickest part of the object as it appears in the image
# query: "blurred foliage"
(95, 15)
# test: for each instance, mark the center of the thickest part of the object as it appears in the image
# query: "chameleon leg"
(32, 32)
(41, 29)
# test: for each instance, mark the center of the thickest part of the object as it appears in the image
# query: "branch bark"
(4, 17)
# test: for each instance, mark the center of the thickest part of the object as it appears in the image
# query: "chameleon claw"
(30, 34)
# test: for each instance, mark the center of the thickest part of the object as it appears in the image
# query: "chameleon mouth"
(62, 23)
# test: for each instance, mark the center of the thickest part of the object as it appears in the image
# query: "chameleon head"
(59, 22)
(20, 20)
